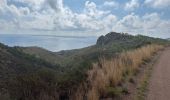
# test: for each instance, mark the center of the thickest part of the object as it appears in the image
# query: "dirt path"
(159, 86)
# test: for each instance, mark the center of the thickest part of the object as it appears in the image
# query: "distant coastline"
(64, 36)
(50, 42)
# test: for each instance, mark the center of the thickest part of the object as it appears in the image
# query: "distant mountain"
(168, 39)
(113, 37)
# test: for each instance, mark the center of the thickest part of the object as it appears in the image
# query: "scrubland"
(90, 73)
(106, 76)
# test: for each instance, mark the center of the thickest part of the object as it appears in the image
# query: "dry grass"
(109, 73)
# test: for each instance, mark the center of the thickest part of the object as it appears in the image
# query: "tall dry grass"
(111, 72)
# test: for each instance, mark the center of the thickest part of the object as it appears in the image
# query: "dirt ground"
(159, 84)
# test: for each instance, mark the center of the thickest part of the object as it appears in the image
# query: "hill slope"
(107, 45)
(32, 72)
(14, 63)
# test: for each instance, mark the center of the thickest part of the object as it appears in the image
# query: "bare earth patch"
(159, 85)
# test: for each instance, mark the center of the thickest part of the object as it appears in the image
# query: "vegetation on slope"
(106, 45)
(15, 64)
(31, 75)
(107, 74)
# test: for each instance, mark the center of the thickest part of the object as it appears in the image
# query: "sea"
(49, 42)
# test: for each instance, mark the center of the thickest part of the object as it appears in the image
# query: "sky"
(85, 17)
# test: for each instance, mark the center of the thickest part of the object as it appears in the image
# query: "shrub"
(33, 86)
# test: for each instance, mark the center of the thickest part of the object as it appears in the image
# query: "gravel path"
(159, 86)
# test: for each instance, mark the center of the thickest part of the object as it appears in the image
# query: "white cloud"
(3, 2)
(111, 4)
(132, 5)
(158, 3)
(56, 17)
(24, 10)
(148, 23)
(56, 5)
(34, 2)
(91, 10)
(31, 4)
(6, 26)
(12, 10)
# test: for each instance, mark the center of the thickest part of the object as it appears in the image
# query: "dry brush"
(110, 73)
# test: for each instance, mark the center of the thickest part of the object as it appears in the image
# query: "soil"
(159, 84)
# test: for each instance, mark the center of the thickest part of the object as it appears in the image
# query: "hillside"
(107, 45)
(34, 73)
(38, 52)
(14, 63)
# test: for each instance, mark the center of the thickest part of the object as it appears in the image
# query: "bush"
(33, 86)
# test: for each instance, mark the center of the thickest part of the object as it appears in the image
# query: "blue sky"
(85, 17)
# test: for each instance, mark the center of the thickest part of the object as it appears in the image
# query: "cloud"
(147, 24)
(92, 11)
(12, 10)
(132, 5)
(3, 2)
(112, 4)
(57, 5)
(31, 4)
(4, 26)
(158, 3)
(54, 15)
